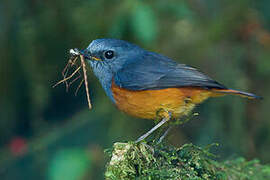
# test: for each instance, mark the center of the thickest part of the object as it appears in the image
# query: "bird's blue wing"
(154, 71)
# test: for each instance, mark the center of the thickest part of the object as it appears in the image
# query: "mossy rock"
(141, 161)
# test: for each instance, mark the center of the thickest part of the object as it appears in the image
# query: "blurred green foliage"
(229, 40)
(69, 164)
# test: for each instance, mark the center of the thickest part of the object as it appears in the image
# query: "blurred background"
(46, 133)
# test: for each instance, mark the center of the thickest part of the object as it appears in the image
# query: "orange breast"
(146, 103)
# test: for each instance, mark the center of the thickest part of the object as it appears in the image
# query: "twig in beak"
(85, 81)
(72, 62)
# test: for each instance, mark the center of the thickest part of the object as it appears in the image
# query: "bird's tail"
(236, 92)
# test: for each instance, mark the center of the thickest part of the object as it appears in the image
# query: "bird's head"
(110, 55)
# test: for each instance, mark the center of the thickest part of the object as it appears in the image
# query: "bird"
(149, 85)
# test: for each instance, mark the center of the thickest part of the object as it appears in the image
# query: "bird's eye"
(109, 54)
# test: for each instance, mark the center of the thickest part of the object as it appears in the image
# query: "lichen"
(142, 161)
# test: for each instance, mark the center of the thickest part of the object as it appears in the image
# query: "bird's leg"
(163, 121)
(164, 134)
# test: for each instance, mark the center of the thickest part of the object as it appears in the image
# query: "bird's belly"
(146, 103)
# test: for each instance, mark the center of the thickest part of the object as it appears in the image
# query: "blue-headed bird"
(149, 85)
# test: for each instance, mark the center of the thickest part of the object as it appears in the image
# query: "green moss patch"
(141, 161)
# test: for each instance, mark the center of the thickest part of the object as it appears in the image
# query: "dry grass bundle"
(68, 80)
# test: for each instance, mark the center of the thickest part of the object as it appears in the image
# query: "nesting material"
(70, 78)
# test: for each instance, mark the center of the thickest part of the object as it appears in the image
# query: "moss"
(141, 161)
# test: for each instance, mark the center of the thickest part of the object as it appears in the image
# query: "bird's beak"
(87, 55)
